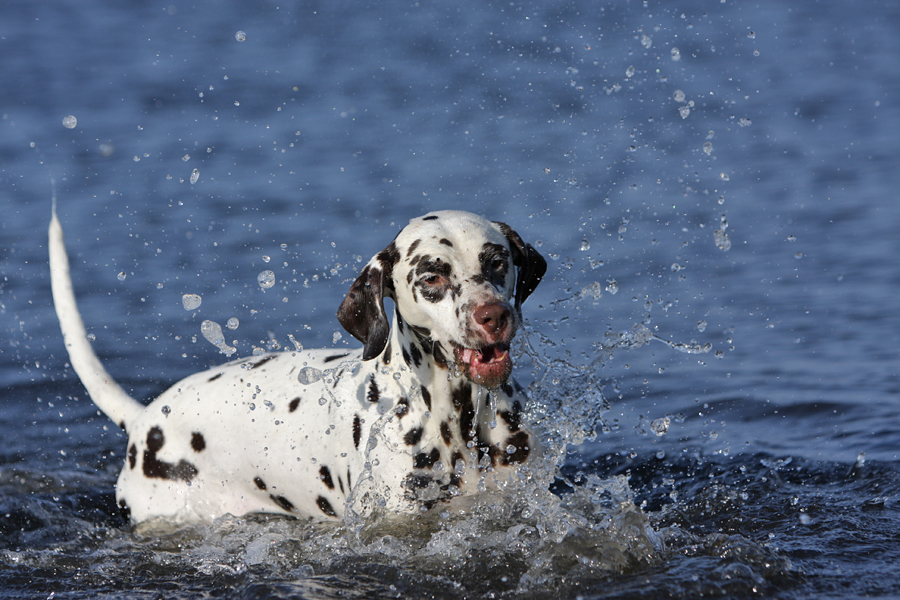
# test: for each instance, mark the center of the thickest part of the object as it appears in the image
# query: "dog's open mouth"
(489, 366)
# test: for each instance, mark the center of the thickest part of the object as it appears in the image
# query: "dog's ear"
(530, 265)
(362, 311)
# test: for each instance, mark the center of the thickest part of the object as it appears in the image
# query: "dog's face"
(458, 282)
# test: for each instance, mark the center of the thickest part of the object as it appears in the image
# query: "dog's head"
(458, 282)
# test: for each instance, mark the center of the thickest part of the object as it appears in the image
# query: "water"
(752, 145)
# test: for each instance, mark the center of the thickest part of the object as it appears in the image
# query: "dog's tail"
(106, 393)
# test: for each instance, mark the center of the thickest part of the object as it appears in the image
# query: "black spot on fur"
(416, 355)
(430, 218)
(426, 397)
(294, 404)
(386, 356)
(123, 509)
(325, 476)
(413, 436)
(158, 469)
(439, 358)
(263, 361)
(406, 357)
(402, 407)
(460, 395)
(122, 425)
(467, 420)
(520, 441)
(374, 394)
(446, 434)
(259, 483)
(446, 242)
(426, 461)
(412, 247)
(494, 260)
(507, 388)
(214, 377)
(132, 455)
(325, 506)
(283, 502)
(197, 442)
(357, 431)
(513, 419)
(335, 357)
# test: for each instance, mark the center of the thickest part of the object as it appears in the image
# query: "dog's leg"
(106, 393)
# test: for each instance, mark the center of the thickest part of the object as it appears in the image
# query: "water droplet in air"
(678, 95)
(266, 258)
(212, 331)
(166, 410)
(660, 426)
(121, 276)
(708, 148)
(646, 41)
(266, 279)
(70, 122)
(701, 326)
(322, 401)
(336, 337)
(195, 176)
(629, 72)
(684, 111)
(240, 36)
(585, 245)
(309, 375)
(191, 301)
(232, 323)
(676, 54)
(612, 286)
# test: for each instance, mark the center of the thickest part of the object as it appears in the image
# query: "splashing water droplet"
(191, 301)
(701, 326)
(232, 323)
(266, 279)
(684, 111)
(585, 245)
(676, 54)
(678, 96)
(646, 40)
(660, 426)
(212, 331)
(121, 276)
(166, 410)
(629, 72)
(195, 176)
(612, 286)
(240, 36)
(309, 375)
(70, 122)
(708, 148)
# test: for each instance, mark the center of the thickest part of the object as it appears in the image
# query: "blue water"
(329, 126)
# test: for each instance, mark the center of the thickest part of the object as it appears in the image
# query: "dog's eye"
(433, 279)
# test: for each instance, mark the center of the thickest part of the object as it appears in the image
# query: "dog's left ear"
(362, 311)
(530, 264)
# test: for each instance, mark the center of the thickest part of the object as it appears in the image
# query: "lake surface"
(713, 354)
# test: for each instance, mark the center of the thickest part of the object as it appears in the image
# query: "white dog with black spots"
(425, 411)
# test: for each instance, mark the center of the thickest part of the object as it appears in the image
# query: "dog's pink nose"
(493, 318)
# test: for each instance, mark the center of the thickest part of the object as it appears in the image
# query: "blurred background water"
(718, 173)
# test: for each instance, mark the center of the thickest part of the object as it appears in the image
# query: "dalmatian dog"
(423, 412)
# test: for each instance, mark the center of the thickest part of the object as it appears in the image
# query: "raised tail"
(106, 393)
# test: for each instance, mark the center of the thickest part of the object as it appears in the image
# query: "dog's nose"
(493, 318)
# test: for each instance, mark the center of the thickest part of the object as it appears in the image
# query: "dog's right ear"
(362, 311)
